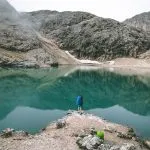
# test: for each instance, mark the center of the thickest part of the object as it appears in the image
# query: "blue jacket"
(79, 101)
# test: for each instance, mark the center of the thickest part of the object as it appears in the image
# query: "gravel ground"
(65, 138)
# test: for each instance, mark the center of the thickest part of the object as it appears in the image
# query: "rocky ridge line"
(141, 21)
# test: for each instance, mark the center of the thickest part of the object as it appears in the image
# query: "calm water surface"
(30, 99)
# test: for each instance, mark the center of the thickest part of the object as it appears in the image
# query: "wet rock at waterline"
(147, 144)
(8, 132)
(129, 135)
(60, 123)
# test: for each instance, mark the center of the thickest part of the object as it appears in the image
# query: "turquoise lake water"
(32, 98)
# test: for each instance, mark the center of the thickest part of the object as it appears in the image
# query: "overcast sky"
(115, 9)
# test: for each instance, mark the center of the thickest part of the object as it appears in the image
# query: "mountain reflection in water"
(30, 99)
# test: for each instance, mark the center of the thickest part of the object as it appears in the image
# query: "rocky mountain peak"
(141, 21)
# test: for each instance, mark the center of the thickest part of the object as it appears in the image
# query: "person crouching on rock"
(79, 102)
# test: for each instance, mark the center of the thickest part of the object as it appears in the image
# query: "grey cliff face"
(88, 36)
(141, 21)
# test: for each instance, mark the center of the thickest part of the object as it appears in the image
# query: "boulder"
(89, 142)
(147, 144)
(60, 123)
(7, 132)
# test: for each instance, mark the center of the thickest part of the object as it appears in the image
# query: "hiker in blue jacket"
(79, 102)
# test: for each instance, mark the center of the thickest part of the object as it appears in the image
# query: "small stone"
(82, 135)
(115, 147)
(134, 139)
(92, 131)
(110, 130)
(125, 136)
(104, 147)
(60, 124)
(69, 112)
(78, 141)
(7, 132)
(43, 129)
(130, 130)
(75, 135)
(131, 133)
(147, 144)
(107, 130)
(20, 133)
(128, 146)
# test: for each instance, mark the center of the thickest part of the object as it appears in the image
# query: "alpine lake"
(30, 99)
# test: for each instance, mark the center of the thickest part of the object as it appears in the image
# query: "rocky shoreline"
(75, 131)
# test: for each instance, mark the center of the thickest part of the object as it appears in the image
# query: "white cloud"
(115, 9)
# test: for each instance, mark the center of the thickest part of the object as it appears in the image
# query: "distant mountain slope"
(40, 38)
(14, 35)
(54, 19)
(88, 36)
(141, 21)
(20, 44)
